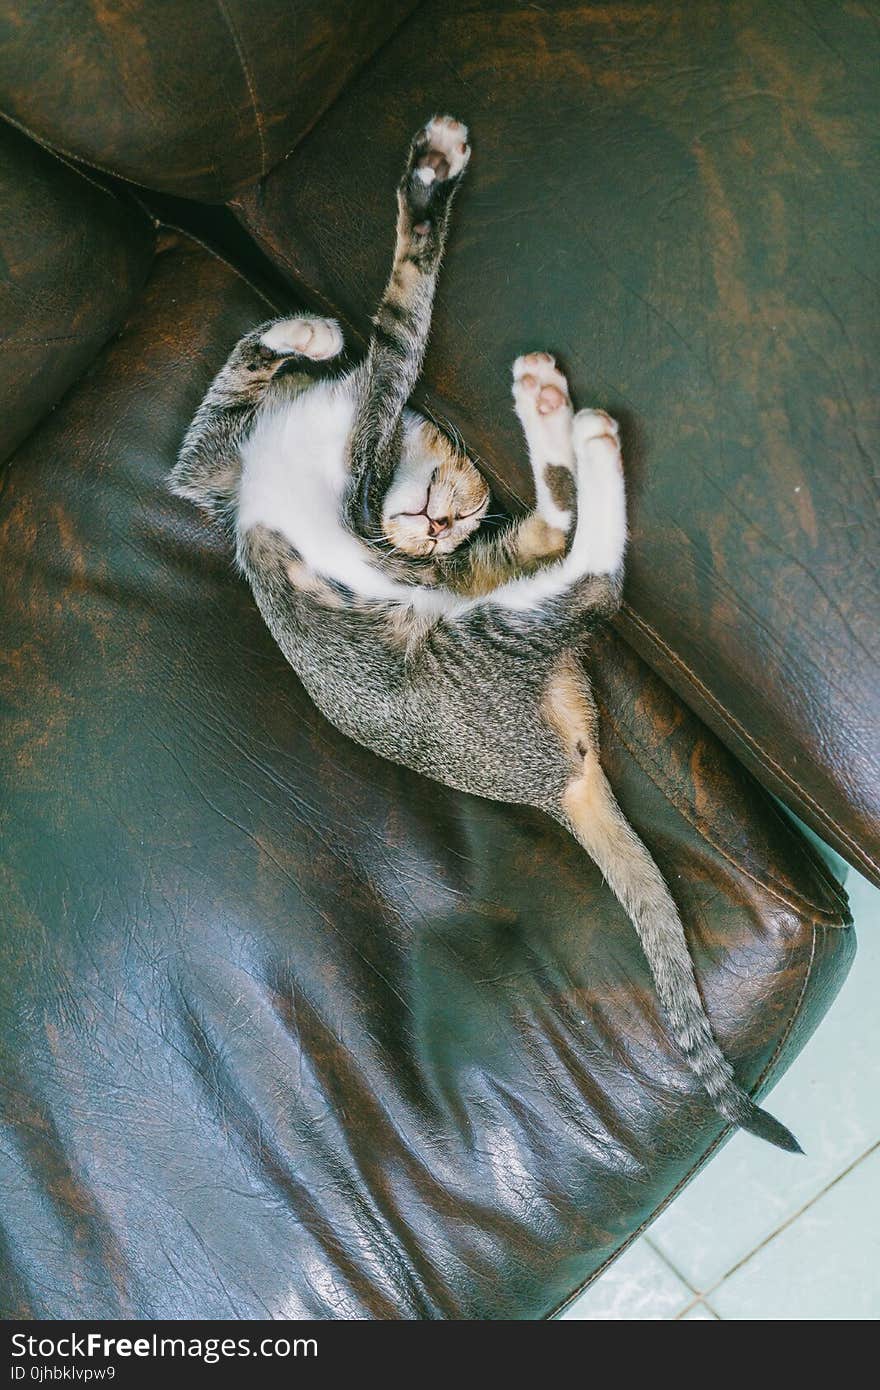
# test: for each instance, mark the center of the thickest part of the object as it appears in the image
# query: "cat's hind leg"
(577, 466)
(589, 811)
(208, 465)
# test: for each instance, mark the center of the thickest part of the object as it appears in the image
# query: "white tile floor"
(763, 1236)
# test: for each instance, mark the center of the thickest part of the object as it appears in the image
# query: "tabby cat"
(416, 630)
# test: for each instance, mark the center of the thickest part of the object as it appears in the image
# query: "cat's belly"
(478, 732)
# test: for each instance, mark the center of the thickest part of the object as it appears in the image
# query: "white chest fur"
(294, 472)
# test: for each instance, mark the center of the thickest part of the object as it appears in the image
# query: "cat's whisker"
(387, 544)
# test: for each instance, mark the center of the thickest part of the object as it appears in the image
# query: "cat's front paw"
(317, 339)
(543, 405)
(539, 387)
(439, 156)
(597, 437)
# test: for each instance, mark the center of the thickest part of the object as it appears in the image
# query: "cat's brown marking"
(407, 629)
(307, 582)
(532, 543)
(585, 798)
(562, 486)
(567, 709)
(404, 276)
(483, 574)
(570, 712)
(536, 540)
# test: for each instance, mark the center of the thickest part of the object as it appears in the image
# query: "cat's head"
(437, 499)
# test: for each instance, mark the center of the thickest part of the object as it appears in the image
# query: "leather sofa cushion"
(196, 97)
(679, 200)
(56, 226)
(286, 1030)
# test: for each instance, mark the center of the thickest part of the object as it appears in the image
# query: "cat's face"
(438, 498)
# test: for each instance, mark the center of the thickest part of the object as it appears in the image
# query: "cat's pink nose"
(438, 525)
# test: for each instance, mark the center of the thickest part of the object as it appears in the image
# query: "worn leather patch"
(73, 255)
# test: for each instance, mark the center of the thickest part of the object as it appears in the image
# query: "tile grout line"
(693, 1303)
(683, 1312)
(661, 1255)
(788, 1222)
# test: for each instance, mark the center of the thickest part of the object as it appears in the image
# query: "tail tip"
(759, 1122)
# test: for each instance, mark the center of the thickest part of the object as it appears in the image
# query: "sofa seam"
(299, 282)
(79, 163)
(822, 867)
(249, 82)
(253, 185)
(63, 153)
(774, 887)
(81, 169)
(212, 251)
(742, 733)
(704, 1158)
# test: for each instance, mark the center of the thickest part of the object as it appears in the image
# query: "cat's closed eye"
(438, 513)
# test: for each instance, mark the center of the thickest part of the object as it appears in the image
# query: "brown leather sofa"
(285, 1030)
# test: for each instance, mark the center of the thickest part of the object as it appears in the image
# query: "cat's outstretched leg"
(572, 546)
(208, 466)
(591, 574)
(568, 552)
(543, 407)
(599, 539)
(437, 160)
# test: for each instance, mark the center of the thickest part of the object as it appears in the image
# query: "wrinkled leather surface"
(680, 200)
(286, 1029)
(56, 226)
(197, 97)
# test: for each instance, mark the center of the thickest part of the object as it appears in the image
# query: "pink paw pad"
(447, 150)
(550, 398)
(597, 432)
(537, 379)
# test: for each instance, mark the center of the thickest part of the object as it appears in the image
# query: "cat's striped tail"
(593, 816)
